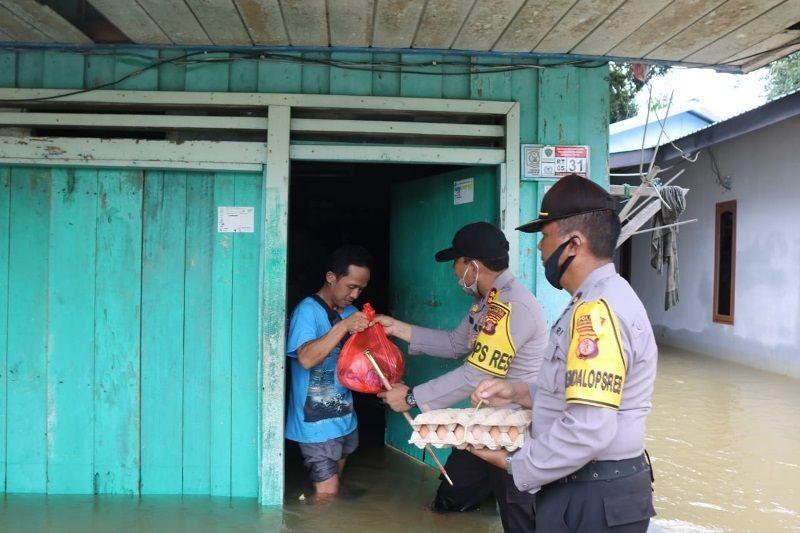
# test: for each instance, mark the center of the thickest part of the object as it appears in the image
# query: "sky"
(723, 94)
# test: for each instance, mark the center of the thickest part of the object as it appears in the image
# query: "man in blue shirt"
(321, 417)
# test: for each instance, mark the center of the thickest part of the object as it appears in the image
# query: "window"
(725, 262)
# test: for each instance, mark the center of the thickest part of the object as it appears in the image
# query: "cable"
(380, 66)
(726, 182)
(104, 85)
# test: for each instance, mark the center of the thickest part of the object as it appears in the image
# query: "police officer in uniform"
(504, 334)
(585, 459)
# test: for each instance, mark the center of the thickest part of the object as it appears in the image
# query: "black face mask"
(551, 270)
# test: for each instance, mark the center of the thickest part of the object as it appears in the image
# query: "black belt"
(605, 470)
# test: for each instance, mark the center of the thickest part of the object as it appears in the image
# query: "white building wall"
(765, 171)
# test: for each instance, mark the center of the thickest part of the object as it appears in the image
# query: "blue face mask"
(551, 269)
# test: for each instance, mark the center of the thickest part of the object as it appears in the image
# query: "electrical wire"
(371, 66)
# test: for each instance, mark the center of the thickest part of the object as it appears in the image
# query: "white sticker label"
(554, 161)
(463, 191)
(235, 220)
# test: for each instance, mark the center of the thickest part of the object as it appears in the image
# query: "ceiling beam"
(46, 21)
(132, 20)
(396, 22)
(263, 21)
(719, 22)
(221, 21)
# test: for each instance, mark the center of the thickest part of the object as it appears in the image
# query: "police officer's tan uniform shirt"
(503, 335)
(594, 390)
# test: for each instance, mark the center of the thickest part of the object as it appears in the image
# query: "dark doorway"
(331, 204)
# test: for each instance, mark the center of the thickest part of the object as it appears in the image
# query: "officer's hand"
(387, 322)
(356, 322)
(394, 327)
(496, 457)
(396, 398)
(493, 392)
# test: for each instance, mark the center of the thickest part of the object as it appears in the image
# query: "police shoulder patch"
(596, 366)
(494, 348)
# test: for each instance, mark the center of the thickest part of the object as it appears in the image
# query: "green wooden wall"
(155, 388)
(563, 105)
(130, 346)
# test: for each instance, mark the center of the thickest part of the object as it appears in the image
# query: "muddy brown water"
(724, 440)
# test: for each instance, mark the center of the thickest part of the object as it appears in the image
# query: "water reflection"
(724, 440)
(725, 444)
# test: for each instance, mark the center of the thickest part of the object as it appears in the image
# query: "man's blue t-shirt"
(320, 408)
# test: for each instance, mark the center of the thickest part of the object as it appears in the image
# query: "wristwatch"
(410, 400)
(508, 465)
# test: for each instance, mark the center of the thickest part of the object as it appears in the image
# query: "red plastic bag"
(356, 372)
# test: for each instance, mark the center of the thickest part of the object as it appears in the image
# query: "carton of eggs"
(490, 427)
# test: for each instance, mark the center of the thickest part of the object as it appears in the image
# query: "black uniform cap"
(479, 240)
(571, 195)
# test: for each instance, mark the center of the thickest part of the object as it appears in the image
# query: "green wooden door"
(129, 351)
(424, 217)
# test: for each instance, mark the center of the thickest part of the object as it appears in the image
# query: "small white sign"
(235, 220)
(463, 191)
(540, 161)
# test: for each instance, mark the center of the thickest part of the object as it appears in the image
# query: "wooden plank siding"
(188, 339)
(133, 363)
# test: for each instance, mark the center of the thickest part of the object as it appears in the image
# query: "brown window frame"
(724, 207)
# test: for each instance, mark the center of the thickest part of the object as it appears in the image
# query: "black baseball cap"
(479, 240)
(571, 195)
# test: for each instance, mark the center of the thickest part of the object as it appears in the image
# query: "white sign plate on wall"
(463, 191)
(235, 220)
(543, 161)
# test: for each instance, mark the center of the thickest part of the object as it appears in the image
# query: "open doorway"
(331, 204)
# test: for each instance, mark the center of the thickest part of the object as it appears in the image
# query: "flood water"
(724, 440)
(725, 444)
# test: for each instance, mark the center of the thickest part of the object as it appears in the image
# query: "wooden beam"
(714, 25)
(350, 22)
(89, 151)
(626, 191)
(306, 22)
(195, 122)
(263, 21)
(79, 151)
(397, 154)
(19, 30)
(773, 22)
(768, 57)
(396, 128)
(396, 23)
(274, 243)
(510, 188)
(533, 21)
(131, 20)
(46, 20)
(16, 97)
(221, 22)
(485, 24)
(132, 122)
(669, 21)
(772, 46)
(192, 122)
(176, 20)
(617, 27)
(440, 22)
(579, 22)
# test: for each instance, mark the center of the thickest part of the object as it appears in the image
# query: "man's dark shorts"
(321, 458)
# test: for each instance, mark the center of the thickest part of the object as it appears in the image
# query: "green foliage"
(624, 88)
(783, 76)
